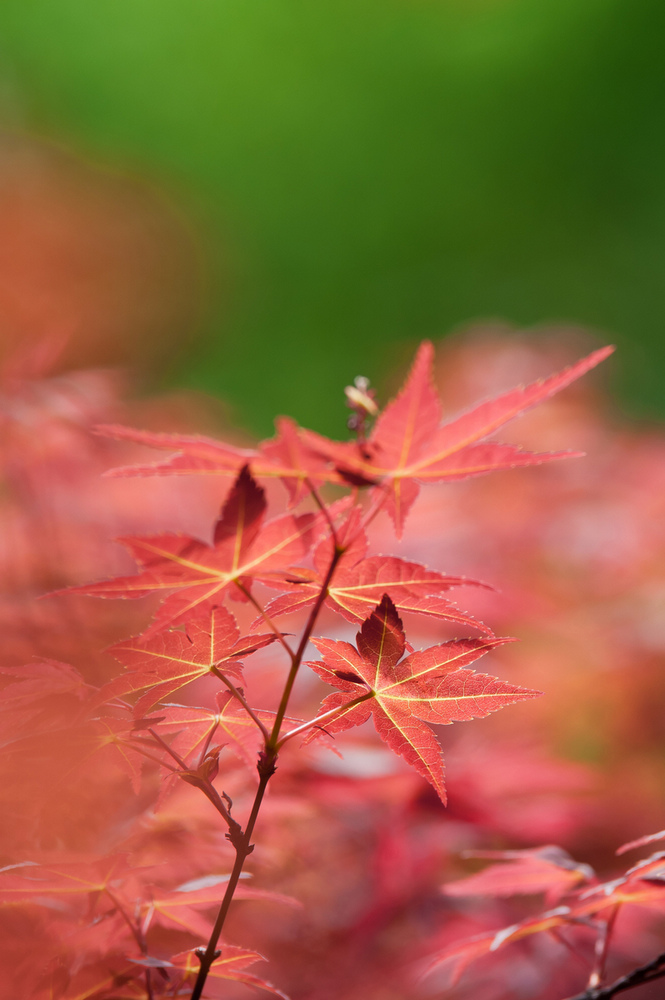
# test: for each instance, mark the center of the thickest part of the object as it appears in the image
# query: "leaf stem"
(267, 619)
(164, 745)
(266, 767)
(208, 741)
(123, 913)
(601, 950)
(150, 756)
(638, 977)
(324, 510)
(326, 715)
(309, 627)
(243, 849)
(243, 701)
(376, 507)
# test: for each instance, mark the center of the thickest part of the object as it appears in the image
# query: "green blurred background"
(365, 173)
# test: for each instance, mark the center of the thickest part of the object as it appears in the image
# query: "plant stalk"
(243, 849)
(266, 768)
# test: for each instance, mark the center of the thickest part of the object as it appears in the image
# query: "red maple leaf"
(243, 548)
(190, 729)
(408, 445)
(286, 456)
(642, 885)
(40, 695)
(547, 869)
(71, 878)
(167, 661)
(176, 908)
(228, 966)
(359, 583)
(431, 685)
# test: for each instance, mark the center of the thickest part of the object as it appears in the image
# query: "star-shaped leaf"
(177, 908)
(548, 869)
(189, 728)
(34, 882)
(404, 694)
(229, 965)
(287, 456)
(200, 574)
(408, 445)
(167, 661)
(359, 584)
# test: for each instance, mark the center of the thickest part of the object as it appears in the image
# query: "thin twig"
(243, 849)
(267, 619)
(138, 937)
(123, 913)
(309, 627)
(164, 745)
(243, 701)
(324, 510)
(326, 715)
(190, 776)
(602, 948)
(150, 756)
(266, 768)
(638, 977)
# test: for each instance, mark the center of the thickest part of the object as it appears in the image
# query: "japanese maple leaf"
(650, 838)
(460, 954)
(189, 728)
(547, 869)
(41, 693)
(167, 661)
(359, 584)
(177, 907)
(644, 885)
(110, 977)
(229, 965)
(36, 715)
(110, 737)
(200, 574)
(286, 456)
(408, 445)
(35, 882)
(402, 695)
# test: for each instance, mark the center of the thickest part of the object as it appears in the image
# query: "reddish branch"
(267, 765)
(638, 977)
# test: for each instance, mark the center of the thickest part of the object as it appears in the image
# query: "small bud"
(209, 766)
(361, 398)
(266, 765)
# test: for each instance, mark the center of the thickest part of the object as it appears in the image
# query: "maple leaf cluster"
(120, 896)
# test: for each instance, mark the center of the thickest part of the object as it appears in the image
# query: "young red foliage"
(543, 869)
(402, 695)
(243, 549)
(230, 965)
(121, 932)
(359, 583)
(189, 728)
(161, 664)
(286, 457)
(553, 871)
(408, 444)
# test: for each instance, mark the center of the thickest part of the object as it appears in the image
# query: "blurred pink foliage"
(577, 552)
